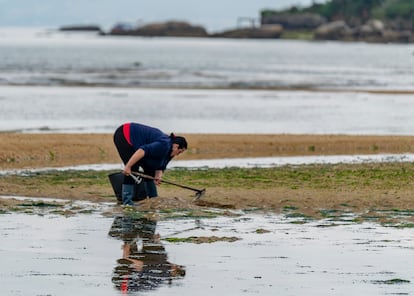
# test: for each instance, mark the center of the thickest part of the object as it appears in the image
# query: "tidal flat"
(380, 192)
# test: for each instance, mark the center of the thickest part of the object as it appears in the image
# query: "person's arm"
(126, 253)
(158, 176)
(137, 156)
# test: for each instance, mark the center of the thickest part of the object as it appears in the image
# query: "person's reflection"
(144, 264)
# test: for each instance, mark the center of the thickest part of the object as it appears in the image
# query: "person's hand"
(139, 154)
(158, 177)
(157, 238)
(126, 250)
(127, 171)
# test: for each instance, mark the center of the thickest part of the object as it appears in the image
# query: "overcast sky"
(212, 14)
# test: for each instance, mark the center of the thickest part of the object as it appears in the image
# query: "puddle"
(256, 162)
(92, 254)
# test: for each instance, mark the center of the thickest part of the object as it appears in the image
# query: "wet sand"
(27, 151)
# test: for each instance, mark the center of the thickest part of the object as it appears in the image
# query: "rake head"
(199, 194)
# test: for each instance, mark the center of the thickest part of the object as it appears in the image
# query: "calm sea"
(54, 81)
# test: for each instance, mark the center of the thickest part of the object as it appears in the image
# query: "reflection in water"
(144, 264)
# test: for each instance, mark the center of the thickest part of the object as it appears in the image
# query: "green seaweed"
(261, 231)
(40, 204)
(395, 281)
(201, 240)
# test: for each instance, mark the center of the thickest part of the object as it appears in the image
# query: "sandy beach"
(28, 151)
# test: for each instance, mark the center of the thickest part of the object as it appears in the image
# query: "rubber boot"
(127, 194)
(151, 189)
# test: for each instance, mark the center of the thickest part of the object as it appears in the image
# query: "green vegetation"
(395, 9)
(337, 192)
(201, 239)
(52, 156)
(40, 204)
(70, 177)
(356, 10)
(385, 176)
(346, 9)
(374, 176)
(262, 231)
(298, 34)
(393, 282)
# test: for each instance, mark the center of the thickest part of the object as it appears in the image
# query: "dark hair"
(181, 141)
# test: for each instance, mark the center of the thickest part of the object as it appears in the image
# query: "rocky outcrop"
(295, 21)
(373, 31)
(391, 36)
(262, 32)
(376, 31)
(183, 29)
(337, 30)
(391, 31)
(89, 28)
(168, 29)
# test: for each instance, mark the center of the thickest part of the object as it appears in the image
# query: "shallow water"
(177, 84)
(56, 255)
(85, 110)
(48, 57)
(248, 162)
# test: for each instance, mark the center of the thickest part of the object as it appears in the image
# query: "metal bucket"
(117, 179)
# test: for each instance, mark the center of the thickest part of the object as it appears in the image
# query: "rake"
(198, 195)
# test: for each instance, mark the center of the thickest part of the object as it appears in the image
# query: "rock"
(376, 25)
(262, 32)
(337, 30)
(90, 28)
(170, 29)
(121, 29)
(295, 21)
(391, 36)
(400, 24)
(373, 28)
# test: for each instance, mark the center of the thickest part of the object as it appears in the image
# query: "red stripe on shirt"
(127, 132)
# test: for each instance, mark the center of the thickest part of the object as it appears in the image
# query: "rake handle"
(167, 182)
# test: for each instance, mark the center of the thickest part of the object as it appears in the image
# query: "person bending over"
(147, 147)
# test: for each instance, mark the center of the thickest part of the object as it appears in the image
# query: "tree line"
(356, 11)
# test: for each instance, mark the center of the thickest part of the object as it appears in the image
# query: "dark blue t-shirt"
(155, 143)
